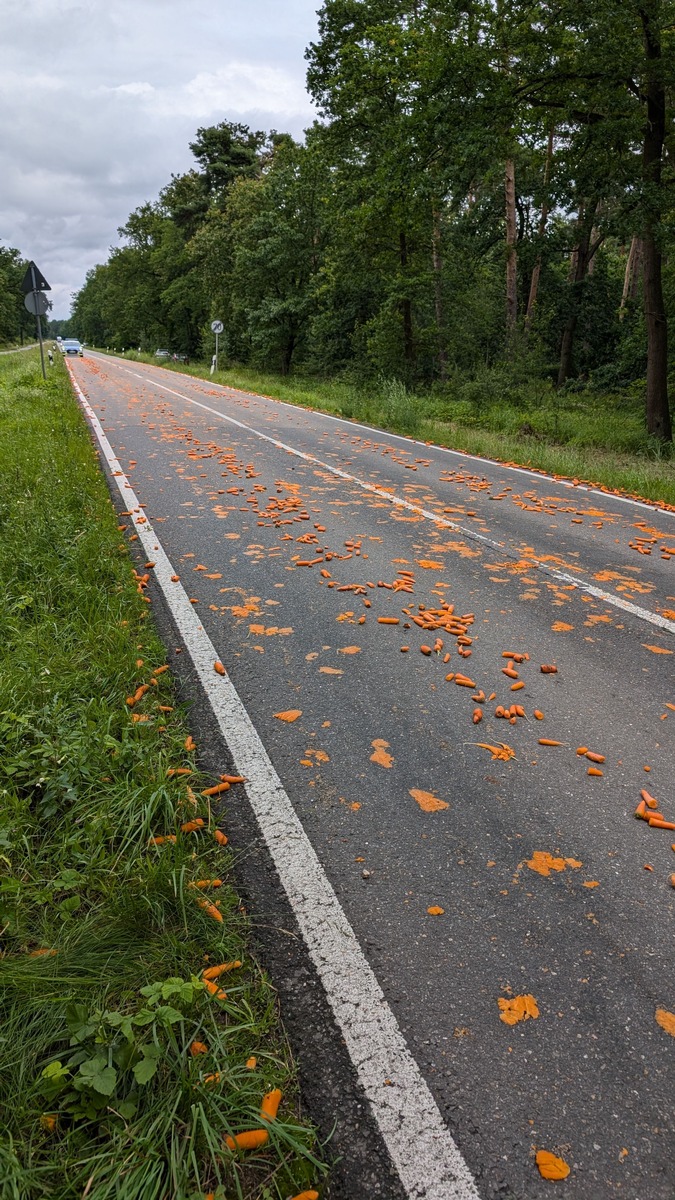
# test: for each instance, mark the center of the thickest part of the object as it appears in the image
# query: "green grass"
(100, 1094)
(596, 437)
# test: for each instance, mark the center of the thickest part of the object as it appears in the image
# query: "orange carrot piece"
(538, 715)
(477, 715)
(548, 669)
(251, 1139)
(178, 771)
(270, 1104)
(515, 687)
(595, 758)
(161, 670)
(423, 649)
(582, 750)
(190, 743)
(219, 668)
(220, 837)
(215, 972)
(549, 742)
(192, 826)
(214, 989)
(211, 910)
(593, 771)
(198, 1048)
(159, 841)
(648, 799)
(640, 811)
(233, 778)
(216, 789)
(388, 621)
(656, 824)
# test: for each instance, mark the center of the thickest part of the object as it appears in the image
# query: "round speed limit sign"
(217, 326)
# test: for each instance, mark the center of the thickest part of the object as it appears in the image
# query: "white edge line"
(608, 597)
(409, 441)
(419, 1142)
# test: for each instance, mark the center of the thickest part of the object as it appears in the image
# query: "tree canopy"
(489, 180)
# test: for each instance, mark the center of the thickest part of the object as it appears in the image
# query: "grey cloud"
(101, 100)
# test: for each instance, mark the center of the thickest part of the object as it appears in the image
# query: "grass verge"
(591, 437)
(122, 1071)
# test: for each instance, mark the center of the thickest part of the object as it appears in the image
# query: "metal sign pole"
(217, 336)
(38, 319)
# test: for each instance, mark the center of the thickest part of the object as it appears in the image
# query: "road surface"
(474, 864)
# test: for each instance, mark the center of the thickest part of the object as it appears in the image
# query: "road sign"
(36, 303)
(34, 280)
(217, 327)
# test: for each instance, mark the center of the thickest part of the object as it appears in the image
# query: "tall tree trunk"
(657, 409)
(438, 290)
(536, 273)
(579, 264)
(406, 306)
(511, 252)
(632, 275)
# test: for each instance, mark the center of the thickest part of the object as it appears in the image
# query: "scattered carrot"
(582, 750)
(161, 670)
(214, 989)
(270, 1104)
(515, 687)
(251, 1063)
(215, 972)
(538, 715)
(216, 789)
(198, 1048)
(648, 799)
(549, 742)
(178, 771)
(389, 621)
(190, 744)
(159, 841)
(640, 811)
(596, 758)
(220, 837)
(477, 715)
(211, 910)
(219, 668)
(233, 778)
(492, 696)
(594, 771)
(251, 1139)
(192, 826)
(309, 1195)
(656, 824)
(463, 681)
(203, 884)
(423, 649)
(548, 669)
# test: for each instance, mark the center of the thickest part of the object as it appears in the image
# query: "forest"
(484, 208)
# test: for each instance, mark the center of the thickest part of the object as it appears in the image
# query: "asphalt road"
(547, 884)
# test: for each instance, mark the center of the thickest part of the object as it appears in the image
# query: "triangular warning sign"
(34, 280)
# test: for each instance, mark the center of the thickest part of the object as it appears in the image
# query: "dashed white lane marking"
(608, 597)
(419, 1143)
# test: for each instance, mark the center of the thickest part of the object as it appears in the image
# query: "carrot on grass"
(250, 1139)
(220, 837)
(215, 972)
(270, 1104)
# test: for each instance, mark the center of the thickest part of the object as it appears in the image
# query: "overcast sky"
(100, 99)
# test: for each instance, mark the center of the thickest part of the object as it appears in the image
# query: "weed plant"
(103, 937)
(579, 432)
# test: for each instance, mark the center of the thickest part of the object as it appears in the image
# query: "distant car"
(179, 358)
(72, 346)
(162, 354)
